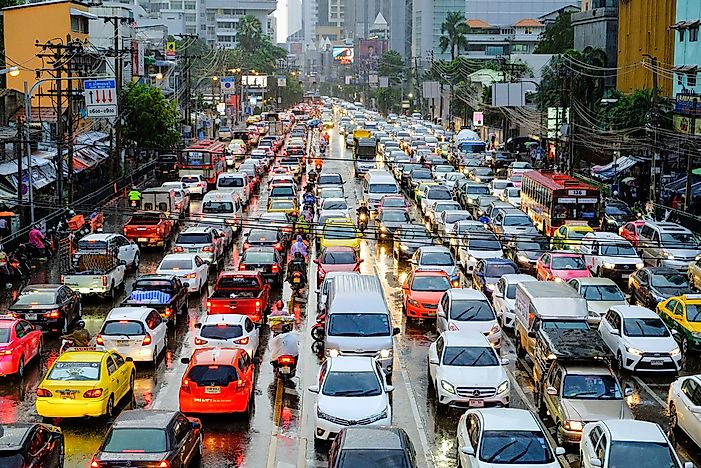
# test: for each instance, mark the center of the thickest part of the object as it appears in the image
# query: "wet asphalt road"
(280, 431)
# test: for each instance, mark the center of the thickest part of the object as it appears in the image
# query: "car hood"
(519, 230)
(352, 408)
(668, 292)
(595, 410)
(601, 307)
(661, 345)
(451, 271)
(486, 253)
(683, 254)
(431, 297)
(337, 267)
(482, 326)
(567, 275)
(487, 376)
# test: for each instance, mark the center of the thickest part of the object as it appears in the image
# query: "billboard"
(371, 49)
(343, 55)
(254, 81)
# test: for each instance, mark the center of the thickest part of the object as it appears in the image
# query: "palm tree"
(250, 33)
(453, 30)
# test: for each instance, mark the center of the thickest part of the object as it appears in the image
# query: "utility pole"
(654, 188)
(188, 80)
(690, 156)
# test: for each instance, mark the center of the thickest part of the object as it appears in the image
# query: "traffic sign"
(100, 97)
(227, 85)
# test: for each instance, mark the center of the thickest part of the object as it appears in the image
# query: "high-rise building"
(400, 34)
(427, 18)
(310, 14)
(687, 48)
(511, 11)
(597, 26)
(359, 16)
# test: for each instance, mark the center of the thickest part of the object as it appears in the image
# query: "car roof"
(662, 270)
(634, 430)
(231, 319)
(564, 253)
(41, 287)
(666, 226)
(87, 354)
(634, 311)
(128, 313)
(592, 368)
(144, 418)
(465, 338)
(351, 363)
(179, 256)
(596, 281)
(434, 249)
(12, 436)
(204, 356)
(466, 293)
(604, 235)
(338, 248)
(99, 237)
(507, 419)
(372, 438)
(513, 278)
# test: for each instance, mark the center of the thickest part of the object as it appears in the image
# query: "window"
(692, 391)
(176, 5)
(691, 78)
(190, 6)
(118, 360)
(694, 34)
(111, 366)
(681, 35)
(79, 24)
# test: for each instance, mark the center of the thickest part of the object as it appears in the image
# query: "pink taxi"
(561, 266)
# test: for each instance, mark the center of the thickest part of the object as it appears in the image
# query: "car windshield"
(122, 328)
(190, 179)
(383, 188)
(152, 285)
(334, 205)
(262, 235)
(437, 259)
(568, 263)
(620, 250)
(466, 310)
(212, 375)
(217, 207)
(93, 245)
(36, 298)
(669, 280)
(515, 447)
(679, 240)
(397, 216)
(618, 210)
(455, 217)
(439, 194)
(483, 244)
(478, 189)
(236, 282)
(394, 203)
(331, 193)
(602, 293)
(351, 384)
(501, 184)
(513, 192)
(440, 207)
(184, 264)
(500, 269)
(516, 178)
(518, 220)
(231, 182)
(591, 387)
(221, 331)
(535, 246)
(74, 370)
(359, 325)
(420, 174)
(693, 313)
(572, 234)
(330, 179)
(338, 258)
(430, 283)
(339, 231)
(470, 356)
(281, 205)
(386, 458)
(136, 440)
(641, 454)
(282, 191)
(258, 257)
(644, 327)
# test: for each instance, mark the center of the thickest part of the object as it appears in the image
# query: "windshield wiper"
(461, 316)
(455, 358)
(577, 395)
(478, 358)
(522, 453)
(500, 451)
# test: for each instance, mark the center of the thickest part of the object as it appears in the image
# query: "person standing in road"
(135, 196)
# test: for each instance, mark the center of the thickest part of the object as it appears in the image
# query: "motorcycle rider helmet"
(299, 256)
(71, 213)
(80, 324)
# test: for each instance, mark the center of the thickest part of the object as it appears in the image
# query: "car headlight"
(413, 302)
(503, 387)
(674, 352)
(332, 352)
(447, 386)
(385, 353)
(639, 265)
(490, 286)
(379, 416)
(573, 425)
(609, 266)
(668, 255)
(558, 279)
(634, 351)
(522, 258)
(456, 283)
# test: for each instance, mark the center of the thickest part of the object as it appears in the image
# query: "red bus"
(205, 158)
(552, 198)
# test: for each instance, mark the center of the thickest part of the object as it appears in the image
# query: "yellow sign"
(170, 49)
(682, 124)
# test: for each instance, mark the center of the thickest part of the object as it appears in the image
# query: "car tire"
(40, 350)
(109, 410)
(20, 367)
(132, 377)
(135, 264)
(154, 358)
(673, 418)
(111, 293)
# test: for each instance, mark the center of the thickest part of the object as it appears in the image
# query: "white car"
(475, 246)
(189, 267)
(459, 229)
(127, 251)
(609, 255)
(336, 204)
(436, 208)
(352, 391)
(600, 293)
(629, 443)
(136, 332)
(466, 372)
(220, 225)
(498, 186)
(684, 404)
(195, 183)
(640, 340)
(511, 195)
(452, 178)
(504, 437)
(436, 258)
(504, 297)
(434, 193)
(466, 309)
(227, 331)
(205, 241)
(448, 218)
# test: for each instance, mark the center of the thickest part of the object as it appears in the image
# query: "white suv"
(136, 332)
(504, 297)
(609, 255)
(668, 245)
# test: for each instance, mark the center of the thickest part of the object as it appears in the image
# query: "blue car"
(488, 271)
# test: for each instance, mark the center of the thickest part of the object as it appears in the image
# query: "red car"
(631, 231)
(217, 380)
(561, 266)
(422, 291)
(20, 342)
(337, 259)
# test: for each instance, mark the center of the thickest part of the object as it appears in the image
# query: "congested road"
(280, 430)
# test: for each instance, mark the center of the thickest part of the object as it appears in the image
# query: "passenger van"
(235, 182)
(358, 322)
(377, 184)
(223, 205)
(546, 304)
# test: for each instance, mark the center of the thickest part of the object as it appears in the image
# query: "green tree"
(150, 120)
(388, 99)
(291, 93)
(453, 32)
(250, 33)
(558, 38)
(254, 50)
(570, 75)
(391, 65)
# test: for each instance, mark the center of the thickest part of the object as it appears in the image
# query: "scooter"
(285, 366)
(317, 330)
(298, 282)
(362, 222)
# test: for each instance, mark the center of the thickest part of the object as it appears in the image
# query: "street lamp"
(12, 71)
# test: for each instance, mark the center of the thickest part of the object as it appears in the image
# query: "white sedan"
(136, 332)
(466, 309)
(335, 204)
(190, 268)
(684, 404)
(227, 331)
(195, 184)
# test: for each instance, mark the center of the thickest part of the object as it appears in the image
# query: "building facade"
(597, 26)
(645, 29)
(511, 11)
(687, 48)
(488, 42)
(427, 18)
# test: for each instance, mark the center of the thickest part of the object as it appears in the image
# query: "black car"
(500, 160)
(165, 293)
(167, 167)
(260, 237)
(649, 286)
(525, 251)
(408, 239)
(487, 272)
(31, 445)
(372, 447)
(616, 214)
(149, 438)
(267, 260)
(388, 221)
(53, 307)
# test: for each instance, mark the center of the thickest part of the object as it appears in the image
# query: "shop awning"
(613, 169)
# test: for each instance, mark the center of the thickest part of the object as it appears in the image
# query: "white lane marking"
(647, 388)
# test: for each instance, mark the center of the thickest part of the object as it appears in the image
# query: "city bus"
(206, 158)
(552, 198)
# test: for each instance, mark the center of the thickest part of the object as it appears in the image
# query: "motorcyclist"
(308, 198)
(363, 210)
(284, 344)
(36, 239)
(299, 247)
(312, 175)
(80, 336)
(327, 137)
(135, 196)
(318, 164)
(279, 309)
(297, 264)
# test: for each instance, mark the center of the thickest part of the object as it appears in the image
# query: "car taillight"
(200, 341)
(276, 269)
(164, 464)
(93, 393)
(191, 275)
(242, 266)
(278, 246)
(104, 280)
(42, 392)
(178, 249)
(208, 248)
(147, 340)
(257, 306)
(53, 314)
(285, 360)
(95, 464)
(99, 340)
(209, 304)
(243, 341)
(5, 352)
(185, 386)
(168, 311)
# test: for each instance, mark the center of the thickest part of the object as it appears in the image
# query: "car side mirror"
(198, 325)
(129, 359)
(560, 451)
(593, 461)
(313, 388)
(628, 391)
(195, 424)
(389, 388)
(186, 285)
(616, 332)
(433, 361)
(505, 361)
(467, 450)
(122, 262)
(552, 391)
(185, 360)
(396, 331)
(498, 294)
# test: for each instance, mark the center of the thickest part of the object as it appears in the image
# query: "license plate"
(193, 250)
(68, 396)
(476, 403)
(30, 317)
(142, 239)
(285, 369)
(657, 362)
(295, 280)
(212, 390)
(625, 276)
(122, 342)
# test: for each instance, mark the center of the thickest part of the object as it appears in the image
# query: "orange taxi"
(422, 291)
(217, 380)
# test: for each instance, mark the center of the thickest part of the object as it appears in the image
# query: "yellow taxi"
(569, 235)
(340, 232)
(85, 382)
(253, 119)
(421, 190)
(327, 122)
(683, 315)
(281, 205)
(443, 149)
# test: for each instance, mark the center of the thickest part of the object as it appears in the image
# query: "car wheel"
(109, 411)
(619, 362)
(673, 418)
(61, 455)
(20, 367)
(111, 293)
(154, 358)
(40, 350)
(135, 264)
(685, 345)
(558, 436)
(540, 404)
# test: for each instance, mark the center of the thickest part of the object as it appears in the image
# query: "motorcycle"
(285, 366)
(297, 282)
(317, 330)
(362, 222)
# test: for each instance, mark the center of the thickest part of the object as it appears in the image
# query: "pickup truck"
(165, 293)
(240, 292)
(149, 228)
(96, 273)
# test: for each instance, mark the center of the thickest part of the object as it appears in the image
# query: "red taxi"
(631, 231)
(20, 342)
(422, 290)
(217, 380)
(342, 259)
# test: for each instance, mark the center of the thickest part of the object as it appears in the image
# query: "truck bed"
(226, 294)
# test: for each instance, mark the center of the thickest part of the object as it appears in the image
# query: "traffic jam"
(328, 286)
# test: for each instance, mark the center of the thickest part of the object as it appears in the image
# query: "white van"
(377, 184)
(235, 182)
(223, 205)
(546, 304)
